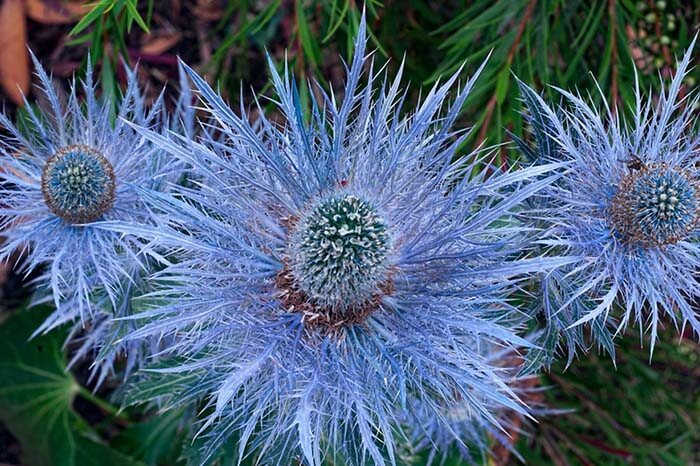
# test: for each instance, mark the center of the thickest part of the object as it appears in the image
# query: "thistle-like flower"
(628, 206)
(65, 167)
(101, 337)
(338, 279)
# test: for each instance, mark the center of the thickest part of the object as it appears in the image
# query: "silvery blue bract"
(342, 279)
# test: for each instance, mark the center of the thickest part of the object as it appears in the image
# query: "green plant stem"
(108, 408)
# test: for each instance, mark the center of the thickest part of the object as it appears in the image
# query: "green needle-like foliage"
(564, 43)
(637, 412)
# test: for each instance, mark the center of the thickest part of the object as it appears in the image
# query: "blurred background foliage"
(564, 43)
(637, 413)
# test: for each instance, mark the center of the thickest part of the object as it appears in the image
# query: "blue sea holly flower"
(628, 206)
(101, 336)
(338, 276)
(64, 167)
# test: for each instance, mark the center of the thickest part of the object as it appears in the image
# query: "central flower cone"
(78, 184)
(339, 253)
(655, 206)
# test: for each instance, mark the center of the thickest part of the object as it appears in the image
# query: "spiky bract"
(282, 370)
(627, 206)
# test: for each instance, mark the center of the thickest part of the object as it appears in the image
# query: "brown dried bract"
(325, 320)
(15, 75)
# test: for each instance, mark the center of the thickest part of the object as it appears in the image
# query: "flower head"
(339, 253)
(338, 278)
(101, 336)
(66, 167)
(627, 206)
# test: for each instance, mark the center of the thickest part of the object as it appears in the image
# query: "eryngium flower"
(101, 336)
(338, 279)
(64, 167)
(628, 206)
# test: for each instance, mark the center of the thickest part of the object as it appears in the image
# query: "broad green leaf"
(36, 399)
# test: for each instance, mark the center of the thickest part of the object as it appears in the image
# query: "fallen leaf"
(14, 57)
(207, 10)
(56, 11)
(158, 45)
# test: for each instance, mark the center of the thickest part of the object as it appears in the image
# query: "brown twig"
(501, 453)
(624, 454)
(614, 92)
(491, 106)
(551, 448)
(563, 441)
(530, 395)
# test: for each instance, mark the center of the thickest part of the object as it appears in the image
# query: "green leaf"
(169, 389)
(36, 399)
(135, 15)
(250, 28)
(110, 86)
(502, 84)
(157, 440)
(308, 42)
(335, 23)
(92, 16)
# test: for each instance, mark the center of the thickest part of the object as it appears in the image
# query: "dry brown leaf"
(56, 11)
(207, 10)
(14, 57)
(159, 45)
